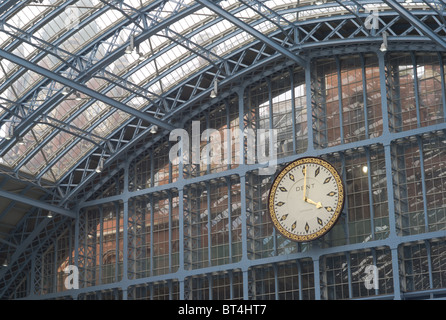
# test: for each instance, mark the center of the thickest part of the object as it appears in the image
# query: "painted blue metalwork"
(393, 241)
(36, 203)
(92, 69)
(416, 22)
(28, 34)
(85, 90)
(252, 31)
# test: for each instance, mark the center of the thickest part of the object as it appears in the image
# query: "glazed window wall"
(366, 209)
(212, 223)
(423, 267)
(415, 90)
(346, 100)
(419, 181)
(163, 290)
(100, 252)
(203, 231)
(153, 244)
(283, 281)
(344, 274)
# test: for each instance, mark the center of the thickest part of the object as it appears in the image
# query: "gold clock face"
(306, 199)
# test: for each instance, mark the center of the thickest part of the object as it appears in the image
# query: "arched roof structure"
(87, 85)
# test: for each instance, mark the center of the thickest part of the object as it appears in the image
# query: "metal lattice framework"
(182, 48)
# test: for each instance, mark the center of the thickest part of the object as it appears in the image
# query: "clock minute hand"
(305, 183)
(317, 204)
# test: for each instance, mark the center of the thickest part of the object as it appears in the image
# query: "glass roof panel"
(33, 166)
(18, 151)
(27, 15)
(170, 56)
(110, 123)
(68, 160)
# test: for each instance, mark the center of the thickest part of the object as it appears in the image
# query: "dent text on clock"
(308, 186)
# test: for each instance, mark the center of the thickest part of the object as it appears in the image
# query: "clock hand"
(317, 204)
(305, 183)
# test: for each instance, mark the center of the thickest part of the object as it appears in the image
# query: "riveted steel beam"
(36, 203)
(421, 26)
(255, 33)
(85, 90)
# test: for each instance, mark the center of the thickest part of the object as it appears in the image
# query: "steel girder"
(84, 67)
(53, 102)
(83, 89)
(32, 245)
(22, 250)
(246, 27)
(36, 203)
(418, 23)
(308, 37)
(347, 40)
(300, 45)
(155, 79)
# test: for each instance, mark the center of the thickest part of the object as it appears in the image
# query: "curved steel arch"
(324, 45)
(374, 41)
(136, 68)
(299, 46)
(54, 100)
(85, 75)
(51, 103)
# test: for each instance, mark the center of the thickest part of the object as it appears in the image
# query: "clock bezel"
(337, 212)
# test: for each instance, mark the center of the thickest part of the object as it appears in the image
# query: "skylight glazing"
(71, 37)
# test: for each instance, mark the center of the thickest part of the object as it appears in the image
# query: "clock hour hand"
(317, 204)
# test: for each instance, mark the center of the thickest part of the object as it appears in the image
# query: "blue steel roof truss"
(306, 38)
(23, 241)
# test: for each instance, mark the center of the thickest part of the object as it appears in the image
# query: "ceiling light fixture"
(131, 46)
(65, 91)
(384, 44)
(20, 141)
(6, 261)
(214, 91)
(154, 129)
(140, 54)
(100, 166)
(10, 132)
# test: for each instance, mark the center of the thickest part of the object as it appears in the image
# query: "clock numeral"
(319, 220)
(293, 226)
(291, 177)
(327, 180)
(317, 172)
(329, 209)
(280, 203)
(307, 227)
(283, 189)
(284, 217)
(331, 194)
